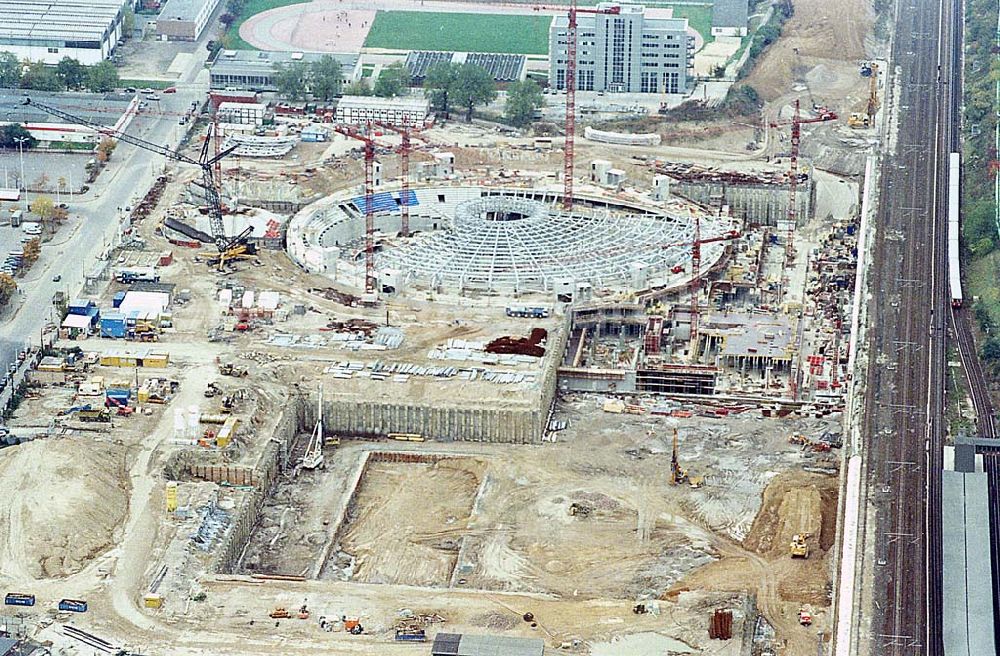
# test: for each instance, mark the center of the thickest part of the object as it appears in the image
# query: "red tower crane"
(405, 131)
(823, 114)
(571, 93)
(694, 285)
(365, 137)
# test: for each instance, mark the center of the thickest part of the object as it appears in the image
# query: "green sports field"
(417, 30)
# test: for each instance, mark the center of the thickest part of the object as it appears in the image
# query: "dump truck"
(102, 415)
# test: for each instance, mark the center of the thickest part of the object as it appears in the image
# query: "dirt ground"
(64, 503)
(396, 539)
(820, 45)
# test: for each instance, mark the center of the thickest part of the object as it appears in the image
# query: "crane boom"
(207, 183)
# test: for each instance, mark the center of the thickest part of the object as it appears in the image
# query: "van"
(15, 218)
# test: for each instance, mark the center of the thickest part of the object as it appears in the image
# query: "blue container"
(113, 325)
(19, 599)
(73, 605)
(117, 300)
(851, 229)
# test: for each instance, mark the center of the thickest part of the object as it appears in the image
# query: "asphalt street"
(96, 217)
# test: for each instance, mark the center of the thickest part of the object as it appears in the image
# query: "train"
(954, 200)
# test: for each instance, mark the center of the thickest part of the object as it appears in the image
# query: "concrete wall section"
(440, 422)
(766, 205)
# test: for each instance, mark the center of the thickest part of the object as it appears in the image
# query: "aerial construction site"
(433, 381)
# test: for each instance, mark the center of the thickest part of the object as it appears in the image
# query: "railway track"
(974, 376)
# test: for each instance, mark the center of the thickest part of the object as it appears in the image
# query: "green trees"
(438, 82)
(71, 72)
(473, 86)
(523, 100)
(12, 134)
(292, 80)
(326, 78)
(359, 88)
(465, 85)
(41, 78)
(102, 77)
(10, 69)
(394, 80)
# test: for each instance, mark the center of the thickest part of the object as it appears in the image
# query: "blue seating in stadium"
(384, 202)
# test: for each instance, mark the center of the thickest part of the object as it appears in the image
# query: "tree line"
(69, 74)
(448, 85)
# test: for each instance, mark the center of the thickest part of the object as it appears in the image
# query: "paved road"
(905, 397)
(95, 228)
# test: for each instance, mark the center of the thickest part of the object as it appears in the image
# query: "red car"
(170, 90)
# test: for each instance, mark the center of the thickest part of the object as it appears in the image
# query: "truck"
(19, 599)
(137, 274)
(411, 635)
(73, 605)
(527, 311)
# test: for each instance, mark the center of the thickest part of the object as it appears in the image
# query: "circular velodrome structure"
(503, 241)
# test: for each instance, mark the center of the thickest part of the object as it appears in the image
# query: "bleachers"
(385, 202)
(503, 68)
(418, 61)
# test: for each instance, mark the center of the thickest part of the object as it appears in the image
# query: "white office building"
(624, 52)
(48, 30)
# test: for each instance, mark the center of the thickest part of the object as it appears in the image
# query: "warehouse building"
(626, 52)
(253, 70)
(408, 110)
(730, 18)
(46, 30)
(183, 20)
(114, 110)
(463, 644)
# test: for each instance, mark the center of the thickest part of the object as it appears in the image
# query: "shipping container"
(19, 599)
(118, 298)
(73, 605)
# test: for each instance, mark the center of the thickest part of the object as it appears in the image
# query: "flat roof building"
(253, 70)
(114, 110)
(464, 644)
(183, 20)
(626, 52)
(408, 110)
(730, 17)
(47, 30)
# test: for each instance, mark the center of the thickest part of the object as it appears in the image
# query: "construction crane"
(229, 248)
(365, 138)
(405, 132)
(571, 92)
(822, 115)
(694, 285)
(678, 474)
(313, 457)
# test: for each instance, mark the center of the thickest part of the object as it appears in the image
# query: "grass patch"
(231, 39)
(142, 84)
(418, 30)
(70, 145)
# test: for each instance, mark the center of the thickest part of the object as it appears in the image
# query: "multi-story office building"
(624, 52)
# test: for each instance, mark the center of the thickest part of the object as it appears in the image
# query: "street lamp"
(20, 141)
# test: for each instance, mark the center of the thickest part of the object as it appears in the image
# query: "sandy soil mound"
(63, 502)
(818, 33)
(795, 503)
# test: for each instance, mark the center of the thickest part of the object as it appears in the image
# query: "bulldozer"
(230, 369)
(798, 548)
(279, 613)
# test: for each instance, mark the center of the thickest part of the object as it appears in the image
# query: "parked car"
(170, 90)
(56, 278)
(129, 89)
(147, 90)
(152, 96)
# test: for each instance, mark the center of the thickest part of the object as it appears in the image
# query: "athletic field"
(503, 33)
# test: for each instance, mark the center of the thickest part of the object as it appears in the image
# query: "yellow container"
(152, 601)
(171, 496)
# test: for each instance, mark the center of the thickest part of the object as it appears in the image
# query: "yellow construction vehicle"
(858, 121)
(798, 547)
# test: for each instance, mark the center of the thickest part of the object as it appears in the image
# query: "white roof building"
(408, 110)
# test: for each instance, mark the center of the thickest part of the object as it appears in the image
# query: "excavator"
(679, 475)
(230, 249)
(798, 548)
